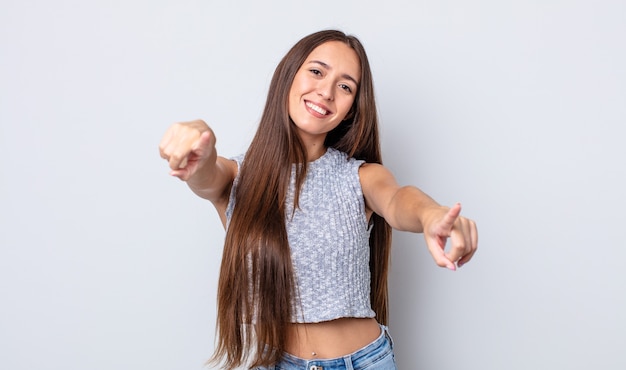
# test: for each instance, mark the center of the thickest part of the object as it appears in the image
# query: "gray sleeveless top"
(329, 240)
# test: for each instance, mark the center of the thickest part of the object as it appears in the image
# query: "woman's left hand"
(461, 231)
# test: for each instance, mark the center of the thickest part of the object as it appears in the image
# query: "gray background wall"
(514, 108)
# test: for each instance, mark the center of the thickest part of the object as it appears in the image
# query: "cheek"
(295, 92)
(292, 105)
(346, 106)
(298, 84)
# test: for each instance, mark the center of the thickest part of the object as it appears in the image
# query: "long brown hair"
(256, 285)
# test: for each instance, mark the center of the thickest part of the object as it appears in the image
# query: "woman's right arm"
(189, 148)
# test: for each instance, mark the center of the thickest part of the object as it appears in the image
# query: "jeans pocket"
(386, 362)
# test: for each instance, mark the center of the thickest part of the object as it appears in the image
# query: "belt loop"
(348, 362)
(386, 330)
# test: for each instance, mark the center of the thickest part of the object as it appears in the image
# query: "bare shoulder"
(375, 174)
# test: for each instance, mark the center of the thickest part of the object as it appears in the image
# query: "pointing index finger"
(451, 216)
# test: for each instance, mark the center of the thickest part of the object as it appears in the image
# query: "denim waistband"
(371, 353)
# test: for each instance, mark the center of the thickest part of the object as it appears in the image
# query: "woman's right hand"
(187, 147)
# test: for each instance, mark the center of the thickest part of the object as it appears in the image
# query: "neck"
(314, 145)
(314, 152)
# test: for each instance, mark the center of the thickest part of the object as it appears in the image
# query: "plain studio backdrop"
(516, 109)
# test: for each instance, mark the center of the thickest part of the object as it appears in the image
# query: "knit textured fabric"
(329, 240)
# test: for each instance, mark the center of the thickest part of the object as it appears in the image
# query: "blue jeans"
(377, 355)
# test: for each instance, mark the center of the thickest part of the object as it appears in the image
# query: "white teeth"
(319, 110)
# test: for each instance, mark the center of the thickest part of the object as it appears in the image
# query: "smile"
(316, 108)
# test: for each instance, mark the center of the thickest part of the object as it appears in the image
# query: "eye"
(346, 88)
(316, 72)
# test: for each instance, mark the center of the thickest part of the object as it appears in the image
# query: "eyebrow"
(345, 75)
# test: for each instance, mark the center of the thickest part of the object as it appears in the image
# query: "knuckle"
(175, 157)
(162, 152)
(458, 244)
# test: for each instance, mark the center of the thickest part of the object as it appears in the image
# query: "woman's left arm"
(407, 208)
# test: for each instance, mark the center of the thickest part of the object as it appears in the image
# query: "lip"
(314, 112)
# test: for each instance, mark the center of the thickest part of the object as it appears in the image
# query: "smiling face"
(323, 90)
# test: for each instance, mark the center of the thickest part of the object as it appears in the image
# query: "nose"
(325, 90)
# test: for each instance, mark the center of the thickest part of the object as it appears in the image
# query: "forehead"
(338, 56)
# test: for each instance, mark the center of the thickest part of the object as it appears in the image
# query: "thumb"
(438, 254)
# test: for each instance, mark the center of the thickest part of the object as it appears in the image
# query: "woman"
(308, 213)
